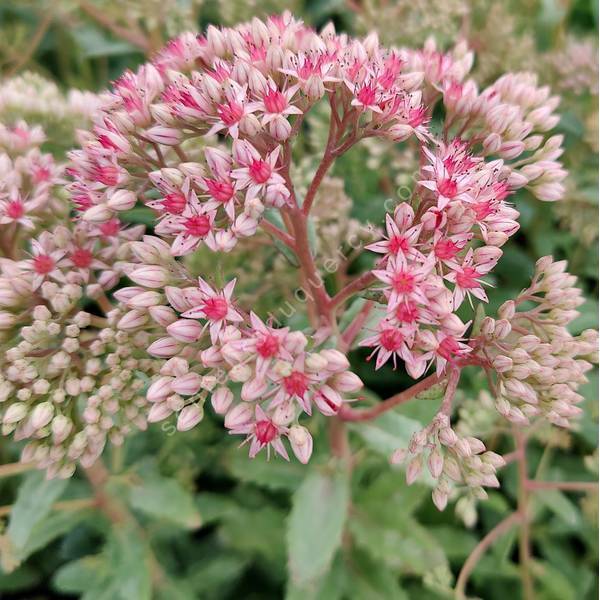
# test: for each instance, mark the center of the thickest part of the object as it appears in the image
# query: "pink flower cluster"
(538, 363)
(462, 202)
(252, 85)
(68, 381)
(203, 136)
(211, 345)
(450, 459)
(29, 180)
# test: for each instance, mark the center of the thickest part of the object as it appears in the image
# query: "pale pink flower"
(389, 341)
(262, 432)
(214, 306)
(46, 260)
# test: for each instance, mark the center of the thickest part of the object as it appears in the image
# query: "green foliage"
(316, 523)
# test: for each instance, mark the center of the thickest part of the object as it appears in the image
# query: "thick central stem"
(313, 278)
(523, 510)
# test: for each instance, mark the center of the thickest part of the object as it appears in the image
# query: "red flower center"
(221, 191)
(268, 346)
(417, 116)
(446, 249)
(265, 431)
(366, 95)
(482, 209)
(274, 101)
(260, 171)
(407, 312)
(398, 244)
(82, 202)
(467, 278)
(230, 113)
(174, 203)
(296, 384)
(391, 339)
(197, 225)
(215, 309)
(447, 188)
(403, 282)
(110, 228)
(40, 174)
(43, 264)
(448, 348)
(15, 209)
(82, 258)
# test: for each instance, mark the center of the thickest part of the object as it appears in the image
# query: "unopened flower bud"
(42, 415)
(221, 400)
(301, 442)
(240, 414)
(189, 417)
(413, 470)
(187, 385)
(435, 463)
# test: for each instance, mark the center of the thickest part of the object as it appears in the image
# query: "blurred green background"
(211, 523)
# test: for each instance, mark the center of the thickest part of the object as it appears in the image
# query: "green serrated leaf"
(128, 560)
(52, 527)
(120, 572)
(479, 316)
(561, 506)
(273, 474)
(330, 586)
(397, 540)
(167, 499)
(316, 523)
(388, 432)
(390, 488)
(21, 578)
(371, 580)
(34, 502)
(256, 532)
(212, 578)
(435, 392)
(141, 215)
(80, 575)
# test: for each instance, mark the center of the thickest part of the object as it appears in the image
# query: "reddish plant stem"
(131, 35)
(352, 330)
(104, 303)
(98, 476)
(510, 457)
(449, 393)
(327, 161)
(319, 295)
(575, 486)
(77, 504)
(284, 237)
(498, 531)
(15, 468)
(366, 414)
(332, 151)
(356, 285)
(338, 441)
(523, 510)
